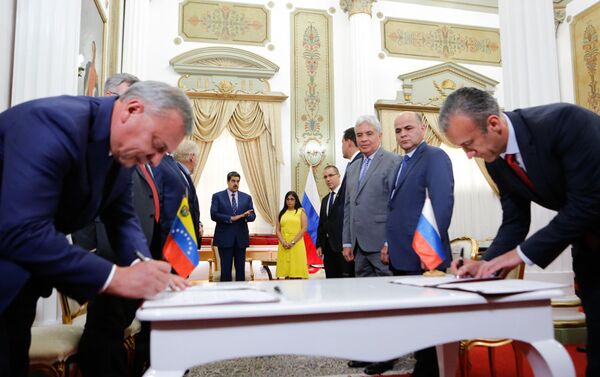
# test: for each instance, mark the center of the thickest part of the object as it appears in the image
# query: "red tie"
(150, 181)
(512, 162)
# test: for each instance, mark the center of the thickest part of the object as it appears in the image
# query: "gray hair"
(185, 149)
(111, 83)
(474, 103)
(371, 119)
(160, 97)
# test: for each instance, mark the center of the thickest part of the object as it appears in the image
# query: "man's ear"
(494, 123)
(132, 106)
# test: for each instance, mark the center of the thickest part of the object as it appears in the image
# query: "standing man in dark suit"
(64, 161)
(331, 223)
(185, 155)
(548, 155)
(425, 171)
(232, 209)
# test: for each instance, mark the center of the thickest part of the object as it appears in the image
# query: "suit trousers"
(101, 349)
(369, 263)
(233, 255)
(15, 331)
(586, 259)
(336, 265)
(426, 365)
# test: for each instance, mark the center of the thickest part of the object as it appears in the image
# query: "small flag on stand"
(311, 203)
(427, 242)
(181, 247)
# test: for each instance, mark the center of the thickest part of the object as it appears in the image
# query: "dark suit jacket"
(227, 232)
(56, 176)
(428, 169)
(193, 200)
(559, 145)
(330, 226)
(173, 186)
(94, 236)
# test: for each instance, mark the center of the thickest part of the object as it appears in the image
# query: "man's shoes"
(378, 368)
(358, 364)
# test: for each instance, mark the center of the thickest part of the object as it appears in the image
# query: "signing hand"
(502, 264)
(177, 283)
(141, 280)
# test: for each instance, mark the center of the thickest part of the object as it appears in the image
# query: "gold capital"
(356, 6)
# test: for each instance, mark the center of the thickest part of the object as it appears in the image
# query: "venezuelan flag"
(427, 242)
(181, 247)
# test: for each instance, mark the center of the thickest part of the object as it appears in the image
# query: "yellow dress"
(292, 262)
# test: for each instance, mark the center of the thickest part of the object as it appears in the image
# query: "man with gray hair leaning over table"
(63, 161)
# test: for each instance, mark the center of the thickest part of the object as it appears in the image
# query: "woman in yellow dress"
(291, 226)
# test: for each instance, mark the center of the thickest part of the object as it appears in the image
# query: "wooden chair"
(466, 345)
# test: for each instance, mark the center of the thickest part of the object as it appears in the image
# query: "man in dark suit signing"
(331, 222)
(548, 155)
(425, 171)
(64, 161)
(232, 209)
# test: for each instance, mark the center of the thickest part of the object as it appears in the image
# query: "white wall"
(7, 35)
(163, 26)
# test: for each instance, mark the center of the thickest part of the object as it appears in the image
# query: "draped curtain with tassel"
(256, 128)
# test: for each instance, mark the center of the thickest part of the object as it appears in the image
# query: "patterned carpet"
(289, 366)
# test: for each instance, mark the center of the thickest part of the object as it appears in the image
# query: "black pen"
(277, 290)
(461, 261)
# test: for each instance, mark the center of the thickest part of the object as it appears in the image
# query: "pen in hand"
(141, 256)
(461, 261)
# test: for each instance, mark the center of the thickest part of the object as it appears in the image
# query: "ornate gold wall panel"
(585, 32)
(215, 21)
(438, 41)
(312, 133)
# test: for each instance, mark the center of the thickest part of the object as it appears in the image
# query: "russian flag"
(427, 242)
(181, 247)
(310, 203)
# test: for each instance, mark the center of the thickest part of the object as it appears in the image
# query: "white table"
(361, 319)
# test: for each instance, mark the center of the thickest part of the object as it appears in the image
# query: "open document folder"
(486, 286)
(201, 296)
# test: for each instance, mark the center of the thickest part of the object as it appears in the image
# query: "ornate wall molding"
(430, 86)
(447, 42)
(357, 6)
(313, 130)
(224, 22)
(224, 70)
(585, 42)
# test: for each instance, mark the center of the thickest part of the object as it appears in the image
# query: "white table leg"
(163, 373)
(447, 356)
(547, 358)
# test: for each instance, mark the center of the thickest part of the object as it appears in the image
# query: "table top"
(321, 296)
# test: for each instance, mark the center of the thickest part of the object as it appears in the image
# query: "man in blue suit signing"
(232, 209)
(425, 171)
(64, 161)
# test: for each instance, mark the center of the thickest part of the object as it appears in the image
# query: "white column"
(46, 49)
(360, 58)
(530, 78)
(45, 64)
(135, 30)
(361, 54)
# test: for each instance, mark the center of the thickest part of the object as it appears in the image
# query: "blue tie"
(363, 170)
(402, 172)
(233, 203)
